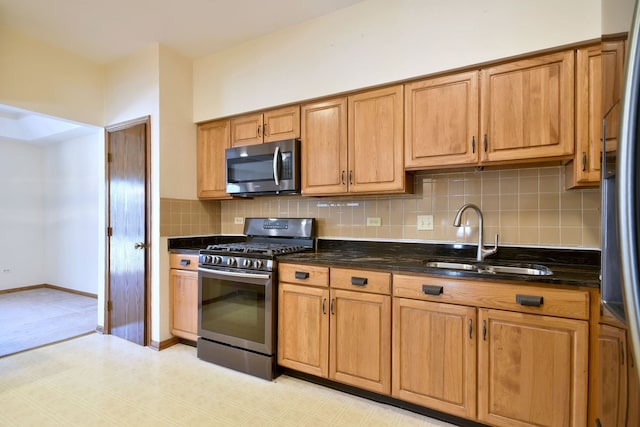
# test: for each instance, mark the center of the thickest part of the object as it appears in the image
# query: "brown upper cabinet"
(599, 72)
(441, 121)
(525, 114)
(268, 126)
(526, 109)
(354, 144)
(212, 139)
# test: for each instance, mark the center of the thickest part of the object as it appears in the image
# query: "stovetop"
(266, 238)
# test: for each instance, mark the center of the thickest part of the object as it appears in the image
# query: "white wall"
(73, 176)
(39, 77)
(380, 41)
(21, 216)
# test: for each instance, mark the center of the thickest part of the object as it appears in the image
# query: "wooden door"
(281, 124)
(532, 370)
(184, 303)
(213, 139)
(434, 355)
(128, 219)
(360, 340)
(527, 109)
(441, 121)
(376, 141)
(612, 76)
(612, 376)
(324, 147)
(633, 389)
(303, 328)
(246, 130)
(584, 171)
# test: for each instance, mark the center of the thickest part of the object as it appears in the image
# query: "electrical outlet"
(6, 270)
(425, 222)
(373, 221)
(238, 220)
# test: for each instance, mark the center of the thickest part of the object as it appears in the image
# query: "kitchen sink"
(482, 268)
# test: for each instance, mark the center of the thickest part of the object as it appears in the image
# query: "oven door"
(236, 308)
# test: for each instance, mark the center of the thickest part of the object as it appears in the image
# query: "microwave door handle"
(276, 166)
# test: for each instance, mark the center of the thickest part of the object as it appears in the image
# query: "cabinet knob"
(529, 300)
(432, 290)
(302, 275)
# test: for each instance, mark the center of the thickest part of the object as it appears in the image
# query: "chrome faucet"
(482, 252)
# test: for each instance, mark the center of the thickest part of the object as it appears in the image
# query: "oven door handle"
(236, 274)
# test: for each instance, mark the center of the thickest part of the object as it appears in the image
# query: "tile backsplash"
(189, 217)
(525, 206)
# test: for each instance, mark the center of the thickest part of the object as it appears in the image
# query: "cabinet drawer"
(311, 275)
(183, 261)
(507, 296)
(363, 280)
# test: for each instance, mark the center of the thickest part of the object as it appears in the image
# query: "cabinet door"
(303, 328)
(360, 340)
(434, 355)
(281, 124)
(184, 303)
(612, 376)
(527, 109)
(324, 147)
(441, 121)
(612, 75)
(532, 370)
(585, 168)
(376, 141)
(213, 139)
(246, 130)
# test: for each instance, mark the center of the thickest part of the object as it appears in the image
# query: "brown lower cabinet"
(183, 281)
(343, 335)
(463, 347)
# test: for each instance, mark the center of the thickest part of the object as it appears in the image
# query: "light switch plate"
(425, 222)
(238, 220)
(373, 221)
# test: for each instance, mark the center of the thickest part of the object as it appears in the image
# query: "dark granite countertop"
(569, 267)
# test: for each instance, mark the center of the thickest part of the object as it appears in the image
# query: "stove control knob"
(257, 264)
(207, 259)
(231, 261)
(217, 260)
(246, 263)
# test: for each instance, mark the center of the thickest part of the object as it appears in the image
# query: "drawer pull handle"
(358, 281)
(529, 300)
(301, 275)
(432, 290)
(185, 262)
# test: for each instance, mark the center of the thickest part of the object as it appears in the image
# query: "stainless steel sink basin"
(525, 269)
(451, 265)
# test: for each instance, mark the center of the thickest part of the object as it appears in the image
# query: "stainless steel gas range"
(238, 297)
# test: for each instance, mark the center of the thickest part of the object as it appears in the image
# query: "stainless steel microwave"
(263, 169)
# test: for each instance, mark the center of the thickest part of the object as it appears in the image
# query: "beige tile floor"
(101, 380)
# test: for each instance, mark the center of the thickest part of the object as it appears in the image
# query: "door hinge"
(109, 231)
(109, 158)
(109, 306)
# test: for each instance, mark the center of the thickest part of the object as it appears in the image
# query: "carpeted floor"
(36, 317)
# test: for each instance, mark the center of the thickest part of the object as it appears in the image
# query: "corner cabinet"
(340, 334)
(183, 281)
(212, 140)
(272, 125)
(355, 144)
(527, 109)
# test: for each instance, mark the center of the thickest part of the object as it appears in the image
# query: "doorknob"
(140, 245)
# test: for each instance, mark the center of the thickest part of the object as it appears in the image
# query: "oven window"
(234, 309)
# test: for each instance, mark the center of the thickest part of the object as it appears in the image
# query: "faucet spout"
(482, 252)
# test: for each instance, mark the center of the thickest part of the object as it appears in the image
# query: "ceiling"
(103, 31)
